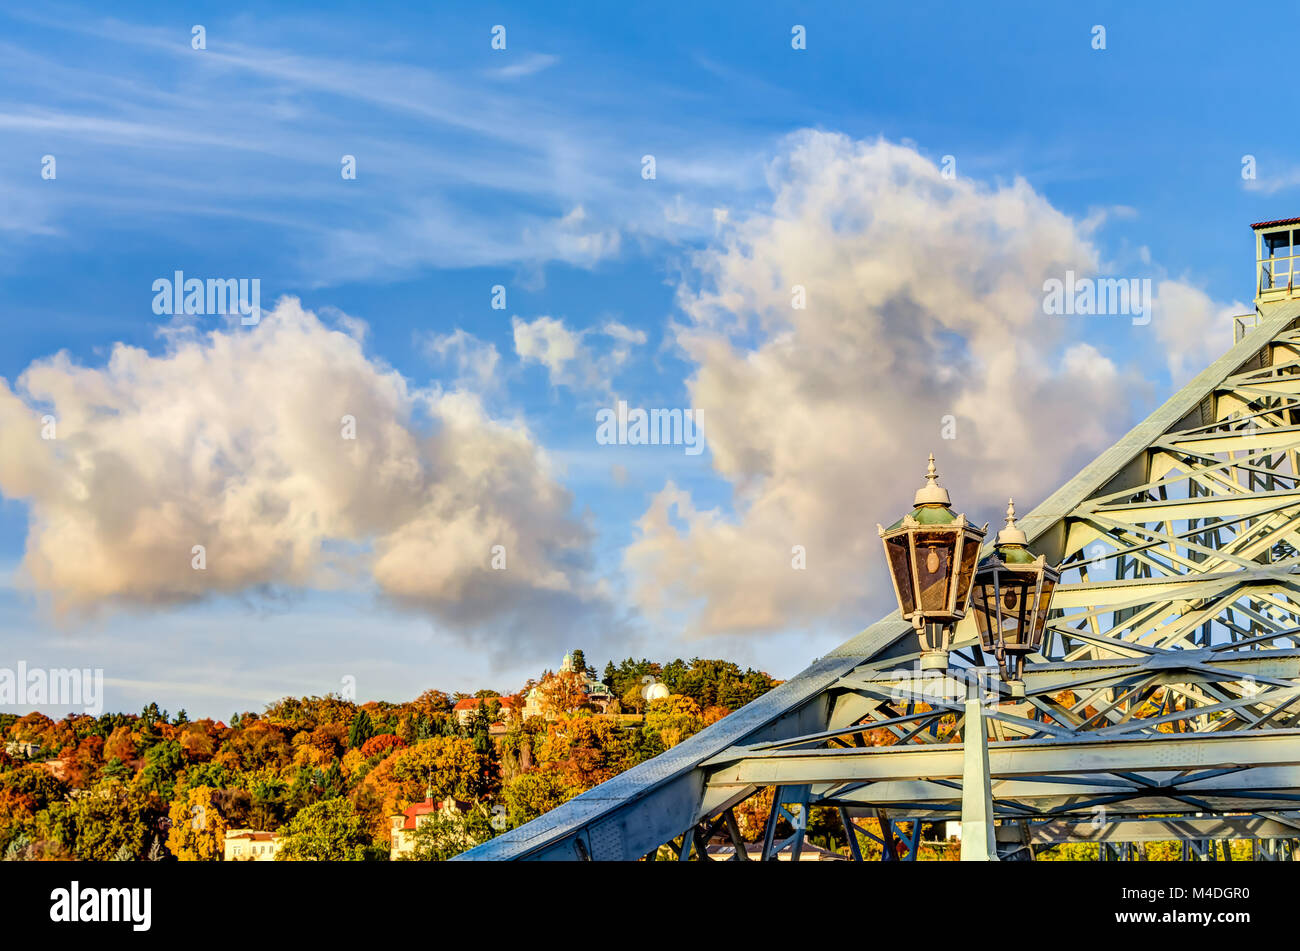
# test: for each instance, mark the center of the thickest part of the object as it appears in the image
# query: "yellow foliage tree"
(586, 750)
(198, 830)
(674, 718)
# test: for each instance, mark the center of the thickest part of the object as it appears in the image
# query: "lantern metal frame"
(925, 548)
(1011, 597)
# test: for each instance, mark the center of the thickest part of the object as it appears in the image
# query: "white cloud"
(234, 441)
(1192, 328)
(527, 66)
(613, 328)
(477, 362)
(548, 342)
(1285, 179)
(568, 357)
(924, 300)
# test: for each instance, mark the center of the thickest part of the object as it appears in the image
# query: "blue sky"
(522, 168)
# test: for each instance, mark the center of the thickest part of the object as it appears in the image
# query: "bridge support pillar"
(978, 839)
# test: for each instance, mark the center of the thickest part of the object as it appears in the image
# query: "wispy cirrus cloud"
(528, 66)
(451, 171)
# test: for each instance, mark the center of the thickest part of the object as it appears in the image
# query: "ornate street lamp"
(931, 555)
(1011, 598)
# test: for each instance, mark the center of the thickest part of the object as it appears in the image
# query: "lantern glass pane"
(970, 552)
(1040, 617)
(1014, 593)
(900, 566)
(934, 567)
(983, 604)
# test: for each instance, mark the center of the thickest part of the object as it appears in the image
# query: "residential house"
(251, 845)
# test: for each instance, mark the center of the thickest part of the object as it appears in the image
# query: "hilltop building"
(596, 693)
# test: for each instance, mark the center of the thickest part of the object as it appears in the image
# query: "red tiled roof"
(471, 703)
(1280, 221)
(424, 808)
(419, 809)
(253, 836)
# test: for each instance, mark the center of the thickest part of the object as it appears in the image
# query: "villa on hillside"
(405, 823)
(251, 845)
(464, 709)
(596, 693)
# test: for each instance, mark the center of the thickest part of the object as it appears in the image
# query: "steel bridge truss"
(1165, 704)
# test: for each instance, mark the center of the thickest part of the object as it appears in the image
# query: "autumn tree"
(329, 831)
(432, 702)
(674, 718)
(561, 693)
(529, 795)
(106, 817)
(120, 745)
(197, 740)
(586, 750)
(32, 727)
(198, 829)
(450, 763)
(25, 792)
(255, 744)
(307, 713)
(384, 743)
(634, 699)
(712, 715)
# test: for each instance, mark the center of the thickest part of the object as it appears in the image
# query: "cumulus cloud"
(923, 307)
(236, 441)
(1193, 329)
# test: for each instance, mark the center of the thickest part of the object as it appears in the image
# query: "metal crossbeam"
(1055, 832)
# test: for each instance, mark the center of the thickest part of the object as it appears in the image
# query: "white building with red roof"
(406, 822)
(464, 709)
(250, 845)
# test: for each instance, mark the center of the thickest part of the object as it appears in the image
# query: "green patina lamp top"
(1012, 546)
(931, 504)
(932, 514)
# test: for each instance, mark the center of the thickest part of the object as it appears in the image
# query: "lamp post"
(931, 554)
(1011, 596)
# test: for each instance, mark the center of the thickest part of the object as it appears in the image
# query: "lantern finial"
(1011, 535)
(932, 493)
